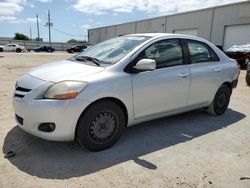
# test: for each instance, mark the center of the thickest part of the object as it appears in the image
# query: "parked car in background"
(248, 74)
(44, 49)
(120, 82)
(77, 48)
(241, 53)
(12, 48)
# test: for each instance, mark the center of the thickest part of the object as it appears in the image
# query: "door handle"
(184, 75)
(217, 69)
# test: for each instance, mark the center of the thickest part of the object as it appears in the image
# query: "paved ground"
(187, 150)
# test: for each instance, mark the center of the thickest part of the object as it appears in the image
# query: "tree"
(72, 41)
(20, 36)
(76, 41)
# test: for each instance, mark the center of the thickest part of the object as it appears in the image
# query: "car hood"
(64, 70)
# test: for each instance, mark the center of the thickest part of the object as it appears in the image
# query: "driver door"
(166, 88)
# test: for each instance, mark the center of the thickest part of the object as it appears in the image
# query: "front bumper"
(64, 113)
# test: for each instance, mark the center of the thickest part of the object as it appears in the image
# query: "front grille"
(20, 92)
(19, 119)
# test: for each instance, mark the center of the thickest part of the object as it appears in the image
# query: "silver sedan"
(120, 82)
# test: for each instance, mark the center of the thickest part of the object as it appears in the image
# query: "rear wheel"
(1, 49)
(18, 50)
(221, 101)
(100, 126)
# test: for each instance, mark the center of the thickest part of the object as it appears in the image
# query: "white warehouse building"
(224, 25)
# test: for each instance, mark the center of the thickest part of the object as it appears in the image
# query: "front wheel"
(221, 101)
(100, 126)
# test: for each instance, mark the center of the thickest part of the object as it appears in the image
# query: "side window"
(200, 52)
(166, 53)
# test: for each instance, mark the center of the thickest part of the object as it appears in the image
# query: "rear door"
(206, 71)
(166, 88)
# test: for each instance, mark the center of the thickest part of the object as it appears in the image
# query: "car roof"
(158, 35)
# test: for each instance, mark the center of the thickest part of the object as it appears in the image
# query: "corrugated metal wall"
(107, 33)
(210, 23)
(200, 20)
(124, 29)
(158, 25)
(229, 15)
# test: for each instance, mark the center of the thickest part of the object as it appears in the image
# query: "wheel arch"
(229, 85)
(113, 99)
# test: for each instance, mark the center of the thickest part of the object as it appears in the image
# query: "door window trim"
(187, 50)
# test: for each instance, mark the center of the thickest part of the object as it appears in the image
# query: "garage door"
(238, 34)
(192, 32)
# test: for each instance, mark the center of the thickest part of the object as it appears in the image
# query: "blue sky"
(72, 18)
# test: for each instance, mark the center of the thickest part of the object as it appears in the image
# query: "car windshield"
(112, 50)
(238, 47)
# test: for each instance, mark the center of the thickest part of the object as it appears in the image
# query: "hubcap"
(102, 127)
(221, 100)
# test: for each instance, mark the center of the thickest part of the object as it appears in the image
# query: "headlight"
(65, 90)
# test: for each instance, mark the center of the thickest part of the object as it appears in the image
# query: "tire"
(248, 77)
(1, 49)
(100, 126)
(18, 50)
(220, 102)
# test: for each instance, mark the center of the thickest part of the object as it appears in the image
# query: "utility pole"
(30, 34)
(49, 24)
(37, 25)
(49, 28)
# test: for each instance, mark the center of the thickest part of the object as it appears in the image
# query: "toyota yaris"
(120, 82)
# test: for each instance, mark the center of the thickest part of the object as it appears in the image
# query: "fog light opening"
(47, 127)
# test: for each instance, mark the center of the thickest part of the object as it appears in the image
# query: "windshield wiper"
(91, 59)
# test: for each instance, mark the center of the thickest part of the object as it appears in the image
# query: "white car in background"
(12, 48)
(120, 82)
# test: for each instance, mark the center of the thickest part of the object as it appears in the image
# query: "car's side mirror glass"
(145, 65)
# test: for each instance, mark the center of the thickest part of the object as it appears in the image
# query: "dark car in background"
(77, 48)
(248, 74)
(44, 49)
(241, 53)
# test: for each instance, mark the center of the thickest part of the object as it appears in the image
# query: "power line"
(68, 33)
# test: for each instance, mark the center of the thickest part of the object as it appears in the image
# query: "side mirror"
(145, 65)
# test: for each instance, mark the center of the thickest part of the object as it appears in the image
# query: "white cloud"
(10, 7)
(44, 1)
(15, 20)
(152, 7)
(85, 26)
(7, 18)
